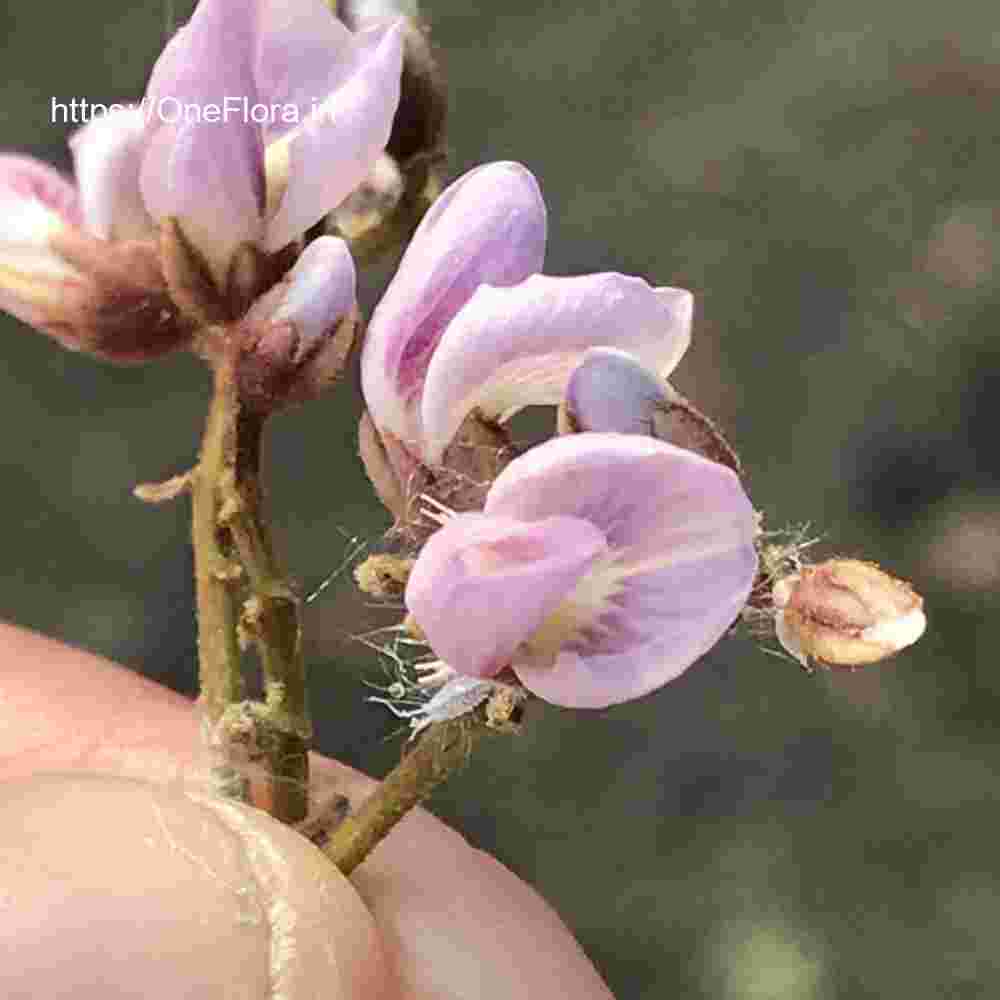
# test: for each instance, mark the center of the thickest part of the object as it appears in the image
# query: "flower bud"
(296, 337)
(384, 575)
(611, 390)
(846, 613)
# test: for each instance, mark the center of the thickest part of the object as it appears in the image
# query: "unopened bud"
(846, 613)
(611, 390)
(297, 336)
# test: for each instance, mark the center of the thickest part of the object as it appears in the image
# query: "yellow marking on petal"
(277, 157)
(37, 292)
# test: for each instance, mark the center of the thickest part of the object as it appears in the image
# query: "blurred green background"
(826, 178)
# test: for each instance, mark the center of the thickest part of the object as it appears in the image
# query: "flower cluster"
(593, 568)
(184, 232)
(598, 566)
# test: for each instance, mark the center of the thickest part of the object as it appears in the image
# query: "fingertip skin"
(115, 887)
(449, 917)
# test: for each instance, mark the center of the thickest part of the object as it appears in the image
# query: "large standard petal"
(107, 155)
(483, 585)
(335, 148)
(513, 347)
(205, 161)
(208, 60)
(487, 227)
(681, 531)
(303, 55)
(210, 177)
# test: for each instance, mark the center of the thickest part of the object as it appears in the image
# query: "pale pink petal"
(682, 533)
(321, 290)
(209, 59)
(35, 200)
(678, 303)
(585, 676)
(513, 347)
(358, 11)
(488, 226)
(205, 161)
(210, 177)
(335, 148)
(36, 203)
(611, 391)
(303, 55)
(107, 155)
(482, 585)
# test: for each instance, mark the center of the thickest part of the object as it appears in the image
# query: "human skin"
(119, 879)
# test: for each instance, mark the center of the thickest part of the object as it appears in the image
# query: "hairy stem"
(271, 618)
(442, 750)
(216, 576)
(241, 591)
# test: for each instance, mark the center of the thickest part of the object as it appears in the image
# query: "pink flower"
(83, 263)
(468, 324)
(602, 566)
(325, 99)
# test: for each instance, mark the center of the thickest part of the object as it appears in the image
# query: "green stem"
(221, 678)
(234, 558)
(271, 618)
(442, 750)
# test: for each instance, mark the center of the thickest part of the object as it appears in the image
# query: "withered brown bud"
(384, 575)
(846, 613)
(117, 304)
